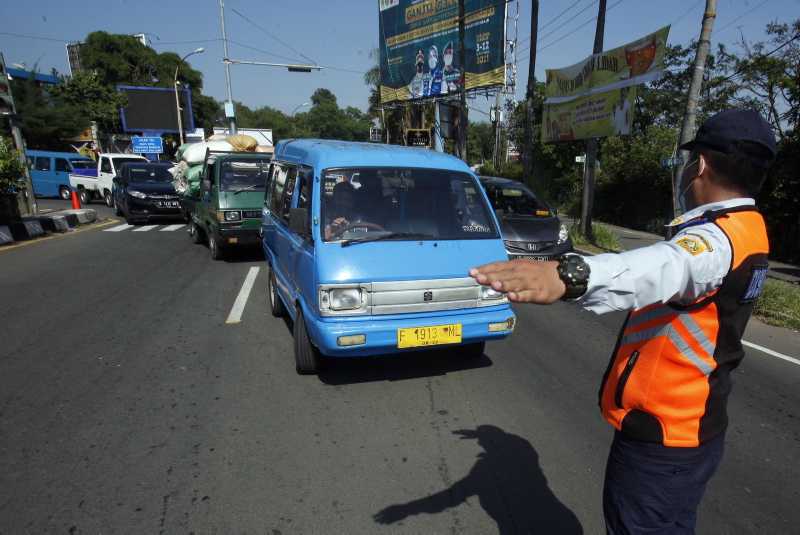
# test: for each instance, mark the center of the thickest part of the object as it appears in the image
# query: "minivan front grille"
(251, 214)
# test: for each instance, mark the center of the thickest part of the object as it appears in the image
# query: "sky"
(341, 35)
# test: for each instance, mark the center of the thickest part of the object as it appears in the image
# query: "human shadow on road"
(509, 484)
(398, 367)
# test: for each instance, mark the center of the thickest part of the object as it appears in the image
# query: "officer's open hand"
(523, 280)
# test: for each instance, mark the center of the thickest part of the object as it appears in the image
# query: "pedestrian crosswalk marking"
(119, 228)
(145, 228)
(170, 228)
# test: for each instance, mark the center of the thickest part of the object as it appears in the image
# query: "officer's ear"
(702, 164)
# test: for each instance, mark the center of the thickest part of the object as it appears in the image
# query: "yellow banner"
(600, 115)
(634, 63)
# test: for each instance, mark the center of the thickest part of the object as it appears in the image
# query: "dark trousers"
(654, 489)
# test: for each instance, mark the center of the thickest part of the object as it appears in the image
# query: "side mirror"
(298, 222)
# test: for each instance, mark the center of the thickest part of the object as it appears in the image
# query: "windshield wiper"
(238, 191)
(389, 236)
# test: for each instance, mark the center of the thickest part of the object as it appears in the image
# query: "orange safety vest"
(669, 378)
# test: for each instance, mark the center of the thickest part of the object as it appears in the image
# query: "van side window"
(288, 192)
(306, 187)
(268, 188)
(42, 164)
(62, 165)
(105, 165)
(278, 184)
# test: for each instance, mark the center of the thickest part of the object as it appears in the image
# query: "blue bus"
(50, 171)
(369, 250)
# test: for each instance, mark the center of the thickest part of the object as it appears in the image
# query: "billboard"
(600, 115)
(419, 47)
(6, 99)
(596, 97)
(632, 64)
(153, 110)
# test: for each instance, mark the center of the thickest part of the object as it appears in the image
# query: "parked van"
(50, 171)
(369, 249)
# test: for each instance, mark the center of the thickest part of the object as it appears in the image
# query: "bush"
(12, 172)
(603, 237)
(779, 304)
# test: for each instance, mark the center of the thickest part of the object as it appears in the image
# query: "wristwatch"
(574, 273)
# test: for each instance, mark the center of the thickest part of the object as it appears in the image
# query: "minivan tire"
(214, 247)
(108, 200)
(85, 196)
(117, 211)
(196, 233)
(306, 356)
(64, 193)
(276, 307)
(473, 351)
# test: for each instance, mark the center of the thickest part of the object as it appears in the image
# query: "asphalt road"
(129, 405)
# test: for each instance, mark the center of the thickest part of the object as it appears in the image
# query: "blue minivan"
(50, 171)
(369, 249)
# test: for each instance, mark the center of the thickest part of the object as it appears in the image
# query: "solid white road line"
(145, 228)
(118, 228)
(241, 300)
(772, 353)
(170, 228)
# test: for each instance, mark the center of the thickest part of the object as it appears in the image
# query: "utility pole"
(30, 199)
(530, 93)
(591, 145)
(462, 57)
(498, 122)
(690, 116)
(229, 109)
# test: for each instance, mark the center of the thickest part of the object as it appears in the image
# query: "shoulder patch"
(756, 285)
(694, 244)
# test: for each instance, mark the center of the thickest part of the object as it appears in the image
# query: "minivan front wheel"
(107, 198)
(214, 247)
(85, 195)
(276, 307)
(306, 356)
(65, 193)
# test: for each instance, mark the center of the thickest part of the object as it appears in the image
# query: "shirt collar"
(711, 207)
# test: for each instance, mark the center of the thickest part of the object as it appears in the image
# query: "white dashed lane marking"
(235, 315)
(145, 228)
(170, 228)
(770, 352)
(119, 228)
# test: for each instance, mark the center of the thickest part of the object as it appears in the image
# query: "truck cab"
(227, 209)
(369, 250)
(100, 184)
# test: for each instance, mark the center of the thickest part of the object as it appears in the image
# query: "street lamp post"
(175, 85)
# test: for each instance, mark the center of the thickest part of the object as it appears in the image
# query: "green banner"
(599, 115)
(634, 63)
(419, 47)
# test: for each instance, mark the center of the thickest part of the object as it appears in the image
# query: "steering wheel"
(360, 224)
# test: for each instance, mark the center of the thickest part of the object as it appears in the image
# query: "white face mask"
(682, 201)
(448, 60)
(432, 61)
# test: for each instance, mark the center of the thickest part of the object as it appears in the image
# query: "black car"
(144, 192)
(530, 228)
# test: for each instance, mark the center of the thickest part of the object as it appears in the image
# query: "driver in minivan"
(342, 205)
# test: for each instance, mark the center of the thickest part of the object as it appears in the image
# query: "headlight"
(488, 293)
(233, 216)
(345, 298)
(563, 234)
(137, 194)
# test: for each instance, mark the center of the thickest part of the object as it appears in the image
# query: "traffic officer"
(665, 390)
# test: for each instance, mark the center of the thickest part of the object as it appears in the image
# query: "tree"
(46, 119)
(96, 100)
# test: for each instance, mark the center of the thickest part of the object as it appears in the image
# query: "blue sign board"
(147, 144)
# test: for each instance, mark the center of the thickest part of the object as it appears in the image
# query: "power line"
(262, 51)
(276, 38)
(549, 22)
(554, 30)
(686, 13)
(768, 54)
(39, 37)
(191, 42)
(731, 23)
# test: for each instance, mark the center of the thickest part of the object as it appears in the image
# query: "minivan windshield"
(244, 175)
(83, 164)
(148, 173)
(119, 161)
(395, 203)
(516, 201)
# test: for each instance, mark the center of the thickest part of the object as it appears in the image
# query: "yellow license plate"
(434, 335)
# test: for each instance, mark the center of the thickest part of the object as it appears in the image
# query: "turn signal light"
(352, 340)
(507, 325)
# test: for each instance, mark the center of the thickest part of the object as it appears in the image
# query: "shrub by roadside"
(779, 304)
(603, 238)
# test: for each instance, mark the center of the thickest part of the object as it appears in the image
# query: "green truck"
(225, 209)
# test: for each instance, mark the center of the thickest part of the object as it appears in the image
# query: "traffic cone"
(76, 201)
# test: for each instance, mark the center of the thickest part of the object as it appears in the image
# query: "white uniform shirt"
(693, 263)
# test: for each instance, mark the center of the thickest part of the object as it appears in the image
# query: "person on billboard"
(451, 74)
(621, 114)
(436, 74)
(418, 81)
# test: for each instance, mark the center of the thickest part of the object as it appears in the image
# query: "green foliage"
(45, 117)
(780, 201)
(779, 304)
(480, 142)
(96, 100)
(603, 237)
(12, 172)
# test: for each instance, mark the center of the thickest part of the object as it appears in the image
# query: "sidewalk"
(633, 239)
